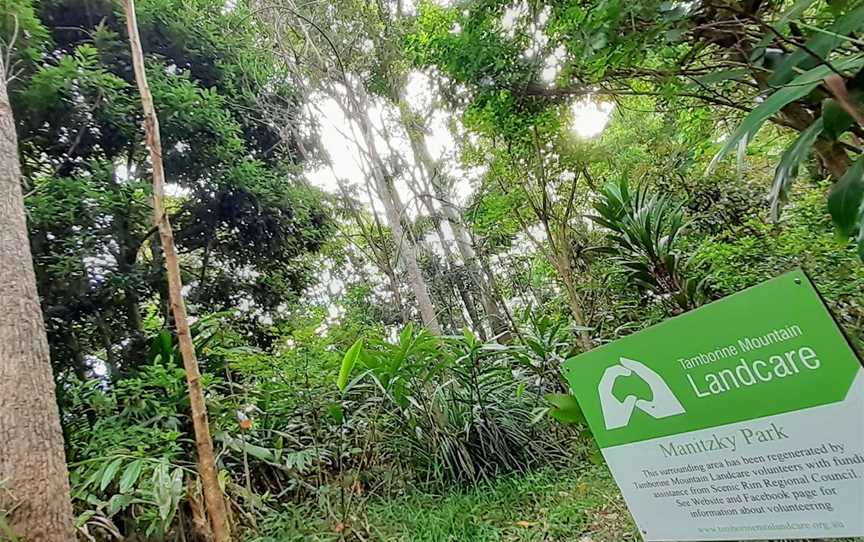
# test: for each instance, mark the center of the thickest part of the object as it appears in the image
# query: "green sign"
(688, 412)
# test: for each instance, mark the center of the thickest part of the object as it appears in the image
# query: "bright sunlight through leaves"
(590, 117)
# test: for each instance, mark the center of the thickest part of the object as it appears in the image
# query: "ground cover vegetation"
(394, 221)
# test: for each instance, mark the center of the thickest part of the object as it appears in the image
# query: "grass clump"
(544, 505)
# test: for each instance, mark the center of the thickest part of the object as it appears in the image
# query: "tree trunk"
(561, 258)
(393, 211)
(406, 247)
(386, 265)
(206, 460)
(379, 255)
(453, 271)
(574, 302)
(433, 175)
(34, 483)
(484, 280)
(498, 298)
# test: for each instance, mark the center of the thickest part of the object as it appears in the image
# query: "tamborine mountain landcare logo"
(728, 428)
(617, 413)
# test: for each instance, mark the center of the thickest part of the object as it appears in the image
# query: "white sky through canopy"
(347, 162)
(590, 117)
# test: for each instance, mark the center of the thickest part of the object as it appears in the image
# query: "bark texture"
(213, 498)
(34, 483)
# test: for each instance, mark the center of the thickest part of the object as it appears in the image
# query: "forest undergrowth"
(391, 223)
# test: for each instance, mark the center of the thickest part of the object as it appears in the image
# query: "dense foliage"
(246, 221)
(315, 304)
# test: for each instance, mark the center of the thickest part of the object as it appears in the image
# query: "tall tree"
(795, 64)
(390, 79)
(34, 484)
(358, 107)
(555, 195)
(214, 499)
(319, 41)
(435, 177)
(246, 223)
(373, 241)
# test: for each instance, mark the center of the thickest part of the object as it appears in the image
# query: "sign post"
(743, 419)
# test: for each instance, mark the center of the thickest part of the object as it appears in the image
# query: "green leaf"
(258, 452)
(161, 490)
(94, 478)
(798, 8)
(734, 74)
(565, 408)
(861, 234)
(820, 44)
(336, 413)
(835, 119)
(348, 363)
(674, 36)
(6, 530)
(538, 414)
(130, 475)
(240, 445)
(799, 87)
(845, 198)
(165, 345)
(596, 455)
(470, 338)
(787, 168)
(177, 484)
(80, 521)
(741, 156)
(407, 333)
(109, 473)
(118, 502)
(794, 12)
(837, 6)
(520, 390)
